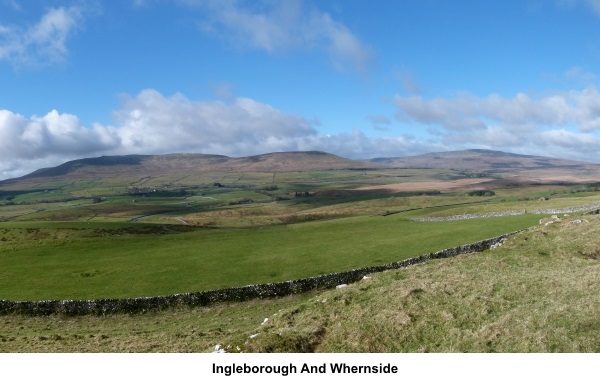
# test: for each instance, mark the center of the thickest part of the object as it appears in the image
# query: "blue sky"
(360, 79)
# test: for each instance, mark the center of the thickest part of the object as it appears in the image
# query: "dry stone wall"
(575, 209)
(568, 210)
(203, 298)
(469, 216)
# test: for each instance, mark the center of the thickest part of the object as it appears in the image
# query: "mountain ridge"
(472, 160)
(192, 162)
(479, 159)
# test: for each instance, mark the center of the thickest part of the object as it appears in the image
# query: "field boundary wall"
(469, 216)
(574, 209)
(233, 294)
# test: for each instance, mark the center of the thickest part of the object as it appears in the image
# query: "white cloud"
(42, 43)
(563, 123)
(151, 123)
(360, 146)
(276, 26)
(53, 134)
(578, 108)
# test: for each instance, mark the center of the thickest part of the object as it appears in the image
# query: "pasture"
(537, 293)
(173, 234)
(131, 235)
(89, 260)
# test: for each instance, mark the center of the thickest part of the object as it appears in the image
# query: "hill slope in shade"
(512, 168)
(481, 160)
(156, 165)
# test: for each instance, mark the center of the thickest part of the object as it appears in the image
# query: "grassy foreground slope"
(536, 293)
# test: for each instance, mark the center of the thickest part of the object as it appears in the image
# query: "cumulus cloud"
(152, 123)
(579, 108)
(27, 144)
(52, 134)
(358, 145)
(565, 121)
(284, 26)
(561, 124)
(44, 42)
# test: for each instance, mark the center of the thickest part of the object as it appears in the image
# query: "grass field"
(144, 235)
(89, 260)
(157, 235)
(537, 293)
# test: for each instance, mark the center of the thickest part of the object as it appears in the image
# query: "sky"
(360, 79)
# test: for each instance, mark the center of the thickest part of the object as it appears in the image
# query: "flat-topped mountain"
(482, 160)
(517, 167)
(155, 165)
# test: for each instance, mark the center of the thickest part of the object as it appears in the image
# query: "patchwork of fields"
(110, 232)
(130, 236)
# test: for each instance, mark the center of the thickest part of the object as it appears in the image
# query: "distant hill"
(473, 163)
(512, 168)
(156, 165)
(481, 160)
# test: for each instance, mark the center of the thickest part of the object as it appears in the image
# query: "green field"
(537, 293)
(147, 236)
(91, 260)
(135, 235)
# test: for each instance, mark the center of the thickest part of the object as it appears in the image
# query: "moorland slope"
(482, 160)
(515, 168)
(188, 164)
